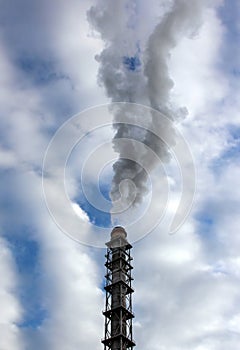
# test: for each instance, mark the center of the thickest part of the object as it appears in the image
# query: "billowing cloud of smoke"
(134, 68)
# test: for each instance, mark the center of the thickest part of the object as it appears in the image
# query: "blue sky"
(51, 288)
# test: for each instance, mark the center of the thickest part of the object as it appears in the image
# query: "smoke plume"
(133, 67)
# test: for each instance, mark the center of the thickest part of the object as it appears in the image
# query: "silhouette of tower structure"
(118, 309)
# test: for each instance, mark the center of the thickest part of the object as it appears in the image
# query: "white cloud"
(7, 158)
(82, 214)
(195, 68)
(11, 311)
(71, 295)
(68, 275)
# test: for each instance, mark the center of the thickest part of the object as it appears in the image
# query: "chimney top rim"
(118, 231)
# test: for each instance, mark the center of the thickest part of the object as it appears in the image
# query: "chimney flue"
(118, 310)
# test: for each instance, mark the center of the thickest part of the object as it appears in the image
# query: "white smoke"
(184, 19)
(133, 67)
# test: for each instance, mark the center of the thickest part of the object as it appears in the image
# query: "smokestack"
(118, 310)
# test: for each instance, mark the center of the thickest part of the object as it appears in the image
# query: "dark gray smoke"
(133, 67)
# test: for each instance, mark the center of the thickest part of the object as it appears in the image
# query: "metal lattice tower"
(118, 310)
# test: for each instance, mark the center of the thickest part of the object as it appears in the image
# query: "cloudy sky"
(59, 58)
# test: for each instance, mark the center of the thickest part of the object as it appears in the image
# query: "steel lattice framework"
(118, 309)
